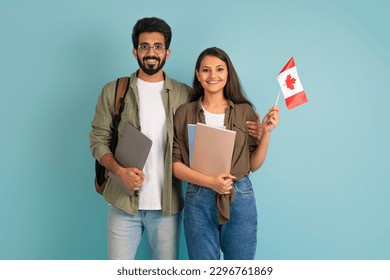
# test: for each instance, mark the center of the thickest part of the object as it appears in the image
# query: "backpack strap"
(122, 85)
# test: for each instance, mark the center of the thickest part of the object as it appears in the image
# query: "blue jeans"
(125, 232)
(205, 239)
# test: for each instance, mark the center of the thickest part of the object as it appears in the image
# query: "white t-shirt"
(153, 124)
(212, 119)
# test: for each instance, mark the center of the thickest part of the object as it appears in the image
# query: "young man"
(150, 104)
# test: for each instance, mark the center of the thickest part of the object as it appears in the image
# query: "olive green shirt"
(174, 94)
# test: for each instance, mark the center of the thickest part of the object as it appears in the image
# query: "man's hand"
(132, 178)
(255, 128)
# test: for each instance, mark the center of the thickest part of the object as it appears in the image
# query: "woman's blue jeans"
(206, 239)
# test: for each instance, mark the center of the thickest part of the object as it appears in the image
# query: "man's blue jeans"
(206, 239)
(125, 232)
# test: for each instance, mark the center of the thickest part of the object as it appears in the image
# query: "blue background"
(323, 192)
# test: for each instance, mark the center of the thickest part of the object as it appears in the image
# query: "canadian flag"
(291, 86)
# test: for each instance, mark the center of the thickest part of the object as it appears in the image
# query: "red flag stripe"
(290, 64)
(296, 99)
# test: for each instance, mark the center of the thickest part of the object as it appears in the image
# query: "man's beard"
(151, 71)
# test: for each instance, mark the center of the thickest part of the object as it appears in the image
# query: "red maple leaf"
(290, 81)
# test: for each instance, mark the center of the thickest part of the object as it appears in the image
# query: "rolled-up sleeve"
(100, 135)
(176, 150)
(180, 140)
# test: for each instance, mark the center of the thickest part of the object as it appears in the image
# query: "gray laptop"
(132, 151)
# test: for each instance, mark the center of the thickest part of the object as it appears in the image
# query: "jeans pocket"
(244, 187)
(193, 190)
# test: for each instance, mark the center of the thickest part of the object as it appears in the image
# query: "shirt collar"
(199, 105)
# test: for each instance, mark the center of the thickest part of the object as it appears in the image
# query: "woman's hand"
(223, 183)
(271, 119)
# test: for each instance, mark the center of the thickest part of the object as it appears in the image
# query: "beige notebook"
(213, 149)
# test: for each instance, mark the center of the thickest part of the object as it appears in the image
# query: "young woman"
(220, 211)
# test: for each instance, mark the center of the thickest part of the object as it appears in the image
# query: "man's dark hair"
(152, 24)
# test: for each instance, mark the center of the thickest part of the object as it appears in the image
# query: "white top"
(212, 119)
(153, 124)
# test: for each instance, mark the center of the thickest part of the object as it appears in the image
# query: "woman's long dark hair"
(233, 90)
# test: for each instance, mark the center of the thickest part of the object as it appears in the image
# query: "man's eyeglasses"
(158, 48)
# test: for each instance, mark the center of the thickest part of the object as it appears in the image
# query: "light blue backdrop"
(323, 192)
